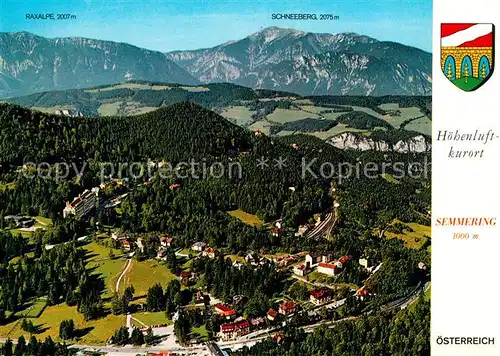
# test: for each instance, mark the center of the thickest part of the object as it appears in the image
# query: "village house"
(257, 133)
(232, 331)
(19, 221)
(362, 293)
(166, 241)
(283, 262)
(327, 268)
(118, 236)
(162, 254)
(287, 308)
(82, 204)
(126, 245)
(278, 337)
(312, 260)
(422, 266)
(139, 244)
(238, 265)
(199, 297)
(275, 231)
(342, 261)
(239, 300)
(272, 314)
(198, 246)
(327, 258)
(301, 270)
(322, 296)
(256, 322)
(187, 276)
(209, 252)
(302, 230)
(366, 262)
(255, 260)
(175, 186)
(225, 311)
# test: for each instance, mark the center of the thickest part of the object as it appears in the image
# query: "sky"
(167, 25)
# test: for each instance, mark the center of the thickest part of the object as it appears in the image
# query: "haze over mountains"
(274, 58)
(30, 63)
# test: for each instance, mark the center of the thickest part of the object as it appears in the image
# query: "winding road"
(128, 263)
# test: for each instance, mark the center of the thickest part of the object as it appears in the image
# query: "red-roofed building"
(272, 314)
(327, 268)
(225, 311)
(126, 245)
(275, 231)
(231, 331)
(175, 186)
(362, 293)
(278, 337)
(187, 275)
(321, 296)
(166, 241)
(209, 252)
(342, 261)
(256, 322)
(287, 308)
(301, 270)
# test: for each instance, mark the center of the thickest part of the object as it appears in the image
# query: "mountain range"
(274, 58)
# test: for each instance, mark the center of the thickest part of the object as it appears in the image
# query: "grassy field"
(36, 309)
(40, 223)
(52, 109)
(138, 86)
(92, 332)
(150, 319)
(261, 125)
(422, 125)
(316, 109)
(142, 275)
(389, 106)
(340, 128)
(201, 332)
(247, 218)
(368, 111)
(194, 89)
(43, 221)
(413, 239)
(240, 114)
(141, 110)
(405, 114)
(129, 86)
(285, 115)
(101, 264)
(23, 233)
(109, 109)
(235, 258)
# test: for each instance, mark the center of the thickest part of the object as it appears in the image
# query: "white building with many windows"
(82, 204)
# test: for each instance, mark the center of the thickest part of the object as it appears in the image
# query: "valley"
(270, 112)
